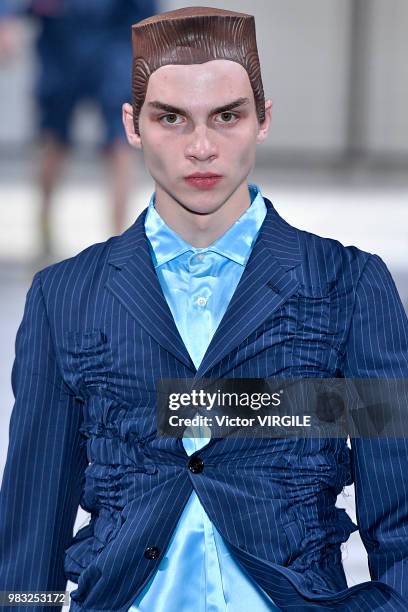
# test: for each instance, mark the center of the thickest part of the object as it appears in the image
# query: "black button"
(152, 552)
(196, 465)
(329, 406)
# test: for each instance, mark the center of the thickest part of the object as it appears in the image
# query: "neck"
(198, 229)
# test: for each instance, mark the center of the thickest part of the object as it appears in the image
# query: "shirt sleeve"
(377, 347)
(46, 459)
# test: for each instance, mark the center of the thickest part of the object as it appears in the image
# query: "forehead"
(210, 82)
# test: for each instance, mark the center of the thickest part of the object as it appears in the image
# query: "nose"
(201, 144)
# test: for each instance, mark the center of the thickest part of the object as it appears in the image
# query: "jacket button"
(152, 552)
(196, 465)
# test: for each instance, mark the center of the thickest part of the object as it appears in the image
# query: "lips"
(202, 175)
(203, 180)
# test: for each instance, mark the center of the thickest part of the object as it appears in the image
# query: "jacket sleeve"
(377, 347)
(45, 463)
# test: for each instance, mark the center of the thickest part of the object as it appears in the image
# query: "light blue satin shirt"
(198, 572)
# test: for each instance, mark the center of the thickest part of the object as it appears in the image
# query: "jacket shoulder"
(328, 261)
(76, 274)
(84, 263)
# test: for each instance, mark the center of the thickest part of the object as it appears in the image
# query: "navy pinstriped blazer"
(96, 335)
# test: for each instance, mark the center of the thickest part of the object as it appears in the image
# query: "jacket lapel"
(264, 286)
(135, 284)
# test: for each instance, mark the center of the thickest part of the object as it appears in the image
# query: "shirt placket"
(200, 329)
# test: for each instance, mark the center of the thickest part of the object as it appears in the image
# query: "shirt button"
(201, 301)
(152, 552)
(200, 256)
(196, 465)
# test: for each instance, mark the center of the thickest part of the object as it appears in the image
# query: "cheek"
(243, 153)
(241, 147)
(160, 155)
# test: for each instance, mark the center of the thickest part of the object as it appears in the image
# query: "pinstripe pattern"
(97, 333)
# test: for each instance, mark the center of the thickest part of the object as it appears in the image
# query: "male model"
(210, 282)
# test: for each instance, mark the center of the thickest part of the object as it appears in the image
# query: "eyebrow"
(220, 109)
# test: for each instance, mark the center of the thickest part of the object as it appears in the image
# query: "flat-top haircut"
(194, 35)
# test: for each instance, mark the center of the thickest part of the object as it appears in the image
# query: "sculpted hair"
(194, 35)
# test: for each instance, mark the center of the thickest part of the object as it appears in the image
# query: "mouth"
(203, 180)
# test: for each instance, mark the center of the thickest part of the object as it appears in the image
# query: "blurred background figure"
(84, 52)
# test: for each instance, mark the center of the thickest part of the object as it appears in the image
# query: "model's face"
(192, 135)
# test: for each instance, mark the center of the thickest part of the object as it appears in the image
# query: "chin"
(201, 203)
(203, 209)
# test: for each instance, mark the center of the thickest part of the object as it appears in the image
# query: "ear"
(127, 117)
(264, 126)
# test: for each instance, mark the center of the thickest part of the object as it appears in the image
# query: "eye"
(228, 114)
(169, 115)
(170, 118)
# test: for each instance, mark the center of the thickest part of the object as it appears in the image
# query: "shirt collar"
(236, 243)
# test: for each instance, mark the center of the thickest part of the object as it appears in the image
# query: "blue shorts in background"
(84, 53)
